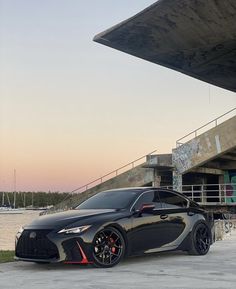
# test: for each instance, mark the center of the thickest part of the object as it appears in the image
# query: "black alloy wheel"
(108, 247)
(201, 240)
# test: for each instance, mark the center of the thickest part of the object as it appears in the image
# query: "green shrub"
(6, 256)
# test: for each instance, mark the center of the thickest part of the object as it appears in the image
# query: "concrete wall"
(223, 228)
(205, 147)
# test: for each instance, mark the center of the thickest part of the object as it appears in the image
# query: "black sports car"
(117, 223)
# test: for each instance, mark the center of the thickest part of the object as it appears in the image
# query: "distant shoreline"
(31, 200)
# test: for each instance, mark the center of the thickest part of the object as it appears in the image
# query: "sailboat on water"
(8, 209)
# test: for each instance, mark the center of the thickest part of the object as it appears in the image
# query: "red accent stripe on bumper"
(84, 257)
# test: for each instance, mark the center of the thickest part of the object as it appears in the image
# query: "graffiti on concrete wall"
(183, 155)
(196, 151)
(230, 181)
(177, 181)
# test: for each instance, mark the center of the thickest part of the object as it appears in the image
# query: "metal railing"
(111, 174)
(195, 132)
(210, 194)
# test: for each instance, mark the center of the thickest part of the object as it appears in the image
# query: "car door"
(174, 211)
(147, 228)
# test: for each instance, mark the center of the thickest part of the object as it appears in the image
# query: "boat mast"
(8, 199)
(14, 202)
(3, 199)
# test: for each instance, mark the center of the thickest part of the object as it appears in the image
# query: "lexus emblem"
(32, 235)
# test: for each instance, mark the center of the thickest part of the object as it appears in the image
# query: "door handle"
(191, 213)
(163, 217)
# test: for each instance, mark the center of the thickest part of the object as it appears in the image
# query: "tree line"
(31, 199)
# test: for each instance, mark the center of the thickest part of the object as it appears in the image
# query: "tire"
(108, 248)
(200, 240)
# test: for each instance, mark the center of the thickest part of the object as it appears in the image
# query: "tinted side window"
(147, 198)
(171, 200)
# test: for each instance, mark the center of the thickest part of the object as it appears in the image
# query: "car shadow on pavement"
(152, 257)
(141, 260)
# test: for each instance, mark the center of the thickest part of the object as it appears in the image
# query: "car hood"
(66, 218)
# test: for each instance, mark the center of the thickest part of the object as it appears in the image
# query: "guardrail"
(111, 174)
(195, 132)
(210, 194)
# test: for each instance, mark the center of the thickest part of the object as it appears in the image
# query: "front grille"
(34, 244)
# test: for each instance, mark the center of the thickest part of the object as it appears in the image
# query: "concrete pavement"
(166, 270)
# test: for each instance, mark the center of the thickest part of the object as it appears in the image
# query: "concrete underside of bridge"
(195, 37)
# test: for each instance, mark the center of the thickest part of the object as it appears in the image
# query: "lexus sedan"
(117, 223)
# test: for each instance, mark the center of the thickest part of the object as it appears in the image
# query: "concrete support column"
(156, 179)
(222, 188)
(177, 181)
(221, 179)
(203, 189)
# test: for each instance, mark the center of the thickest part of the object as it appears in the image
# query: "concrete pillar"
(222, 189)
(203, 190)
(221, 179)
(177, 181)
(156, 179)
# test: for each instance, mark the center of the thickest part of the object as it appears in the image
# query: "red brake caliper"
(113, 249)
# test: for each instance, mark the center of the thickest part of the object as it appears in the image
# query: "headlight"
(20, 231)
(18, 234)
(75, 230)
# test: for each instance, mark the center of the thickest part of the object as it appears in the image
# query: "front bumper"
(46, 246)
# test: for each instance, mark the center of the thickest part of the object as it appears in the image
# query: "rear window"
(171, 200)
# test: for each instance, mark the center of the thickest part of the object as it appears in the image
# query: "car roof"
(143, 189)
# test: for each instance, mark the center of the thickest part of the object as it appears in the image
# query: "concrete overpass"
(195, 37)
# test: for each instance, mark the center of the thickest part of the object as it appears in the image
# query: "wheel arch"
(186, 243)
(195, 249)
(201, 221)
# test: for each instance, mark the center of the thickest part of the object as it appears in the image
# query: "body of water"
(10, 224)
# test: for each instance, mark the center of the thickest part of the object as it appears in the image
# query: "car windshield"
(110, 200)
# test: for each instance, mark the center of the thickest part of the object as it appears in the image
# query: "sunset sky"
(72, 110)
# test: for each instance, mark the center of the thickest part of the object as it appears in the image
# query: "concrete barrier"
(223, 228)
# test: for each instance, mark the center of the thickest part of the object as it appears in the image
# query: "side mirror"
(147, 208)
